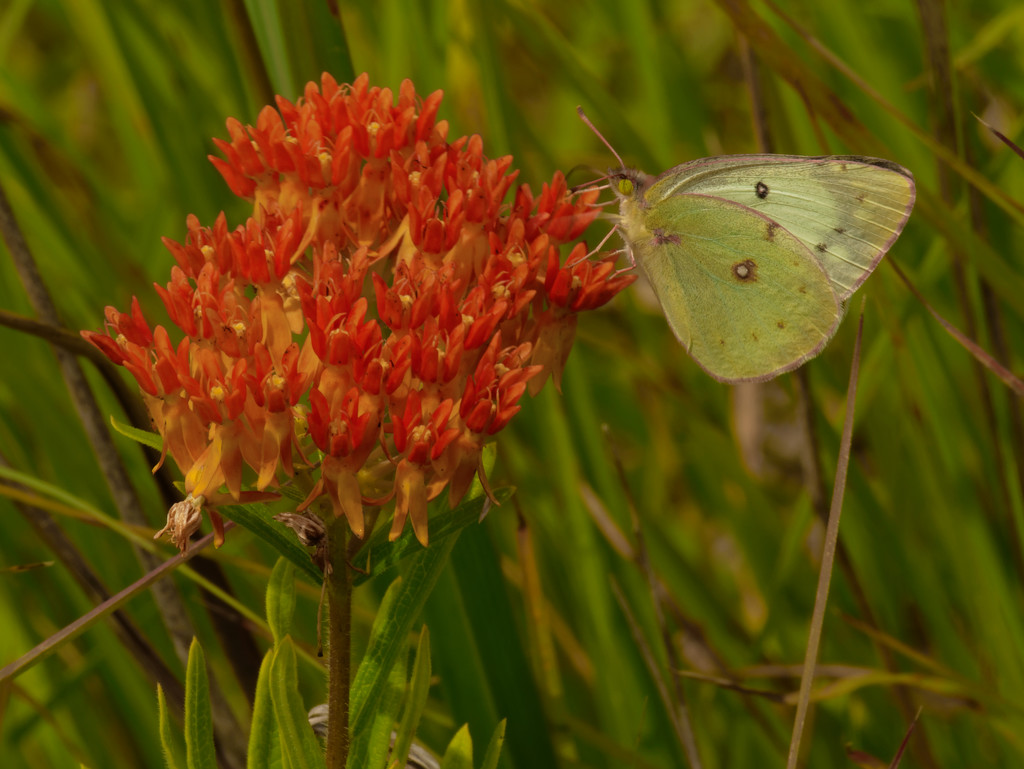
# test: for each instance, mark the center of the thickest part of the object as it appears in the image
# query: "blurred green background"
(107, 110)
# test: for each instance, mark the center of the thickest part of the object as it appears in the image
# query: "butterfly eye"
(626, 186)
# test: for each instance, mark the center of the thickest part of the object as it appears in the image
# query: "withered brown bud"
(183, 519)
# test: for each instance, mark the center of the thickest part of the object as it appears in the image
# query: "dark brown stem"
(339, 643)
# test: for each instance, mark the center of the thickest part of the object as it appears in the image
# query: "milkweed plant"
(372, 324)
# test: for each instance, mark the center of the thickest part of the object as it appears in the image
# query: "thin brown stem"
(339, 643)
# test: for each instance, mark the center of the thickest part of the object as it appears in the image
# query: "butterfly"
(753, 257)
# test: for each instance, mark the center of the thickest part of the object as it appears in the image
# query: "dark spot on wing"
(821, 248)
(745, 271)
(761, 190)
(769, 234)
(660, 238)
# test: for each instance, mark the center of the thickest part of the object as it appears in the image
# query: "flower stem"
(339, 643)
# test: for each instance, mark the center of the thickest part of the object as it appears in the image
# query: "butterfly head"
(629, 184)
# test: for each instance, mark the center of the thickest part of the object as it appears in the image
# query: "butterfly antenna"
(594, 184)
(582, 167)
(586, 121)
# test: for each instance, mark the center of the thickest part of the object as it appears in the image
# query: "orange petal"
(410, 500)
(346, 498)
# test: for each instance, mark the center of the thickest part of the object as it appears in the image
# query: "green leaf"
(379, 735)
(264, 739)
(199, 751)
(419, 690)
(281, 599)
(494, 747)
(258, 519)
(459, 754)
(170, 740)
(145, 437)
(398, 612)
(301, 749)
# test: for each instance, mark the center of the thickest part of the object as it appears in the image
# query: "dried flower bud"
(183, 519)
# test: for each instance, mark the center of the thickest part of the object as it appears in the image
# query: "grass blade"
(827, 559)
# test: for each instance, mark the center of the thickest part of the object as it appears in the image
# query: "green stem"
(339, 643)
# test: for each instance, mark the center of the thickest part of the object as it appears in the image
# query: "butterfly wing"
(744, 296)
(847, 210)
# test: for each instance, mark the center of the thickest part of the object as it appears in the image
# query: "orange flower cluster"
(377, 318)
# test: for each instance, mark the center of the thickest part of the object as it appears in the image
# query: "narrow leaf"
(170, 740)
(419, 690)
(459, 754)
(360, 746)
(264, 739)
(1004, 375)
(1002, 137)
(383, 725)
(145, 437)
(199, 751)
(494, 747)
(906, 739)
(281, 599)
(399, 611)
(258, 519)
(301, 750)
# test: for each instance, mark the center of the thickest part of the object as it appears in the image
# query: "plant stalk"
(339, 643)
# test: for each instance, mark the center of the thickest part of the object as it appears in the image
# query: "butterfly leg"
(597, 249)
(624, 270)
